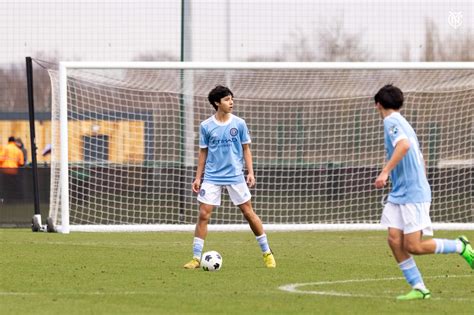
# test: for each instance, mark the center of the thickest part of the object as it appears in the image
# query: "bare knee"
(414, 248)
(247, 211)
(252, 218)
(205, 212)
(249, 215)
(395, 242)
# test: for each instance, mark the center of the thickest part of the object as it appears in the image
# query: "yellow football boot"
(193, 264)
(269, 260)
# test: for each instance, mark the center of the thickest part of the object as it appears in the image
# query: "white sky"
(120, 30)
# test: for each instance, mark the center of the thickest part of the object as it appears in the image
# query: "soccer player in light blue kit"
(406, 213)
(224, 146)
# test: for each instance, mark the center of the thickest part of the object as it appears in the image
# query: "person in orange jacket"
(11, 157)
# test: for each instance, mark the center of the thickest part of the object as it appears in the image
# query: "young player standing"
(224, 146)
(406, 214)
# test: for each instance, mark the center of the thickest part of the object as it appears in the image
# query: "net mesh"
(317, 143)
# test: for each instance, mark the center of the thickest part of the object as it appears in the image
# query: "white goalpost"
(125, 141)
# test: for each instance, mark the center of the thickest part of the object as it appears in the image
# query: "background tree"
(457, 47)
(333, 44)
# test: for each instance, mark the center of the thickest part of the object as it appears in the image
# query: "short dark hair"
(11, 139)
(390, 97)
(217, 93)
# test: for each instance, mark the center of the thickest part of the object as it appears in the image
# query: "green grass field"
(141, 273)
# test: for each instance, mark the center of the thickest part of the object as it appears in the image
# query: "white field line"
(97, 293)
(295, 287)
(292, 288)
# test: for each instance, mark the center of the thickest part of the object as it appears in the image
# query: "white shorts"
(210, 194)
(409, 218)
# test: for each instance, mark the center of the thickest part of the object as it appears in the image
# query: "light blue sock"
(447, 246)
(412, 274)
(198, 245)
(263, 242)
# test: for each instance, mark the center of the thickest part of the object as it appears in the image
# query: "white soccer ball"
(211, 261)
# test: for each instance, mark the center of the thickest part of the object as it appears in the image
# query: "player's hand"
(196, 185)
(381, 180)
(250, 180)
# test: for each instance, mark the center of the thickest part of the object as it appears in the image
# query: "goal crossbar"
(65, 100)
(241, 227)
(268, 65)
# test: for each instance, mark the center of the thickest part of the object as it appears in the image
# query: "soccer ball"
(211, 261)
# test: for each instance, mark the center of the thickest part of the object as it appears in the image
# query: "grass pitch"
(141, 273)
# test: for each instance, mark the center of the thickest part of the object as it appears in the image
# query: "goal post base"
(245, 227)
(36, 223)
(50, 227)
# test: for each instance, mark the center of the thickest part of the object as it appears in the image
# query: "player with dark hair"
(224, 147)
(406, 213)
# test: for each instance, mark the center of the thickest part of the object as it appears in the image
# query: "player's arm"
(401, 149)
(202, 156)
(249, 165)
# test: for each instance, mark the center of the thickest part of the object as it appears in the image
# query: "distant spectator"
(11, 156)
(21, 146)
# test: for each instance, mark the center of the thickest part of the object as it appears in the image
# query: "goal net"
(125, 142)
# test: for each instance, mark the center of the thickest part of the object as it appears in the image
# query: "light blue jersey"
(409, 182)
(225, 156)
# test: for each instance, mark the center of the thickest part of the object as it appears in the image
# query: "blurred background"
(195, 30)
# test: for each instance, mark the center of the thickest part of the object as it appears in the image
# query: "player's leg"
(252, 218)
(417, 219)
(393, 220)
(200, 233)
(417, 222)
(209, 197)
(407, 265)
(415, 245)
(460, 246)
(257, 227)
(395, 241)
(205, 212)
(240, 196)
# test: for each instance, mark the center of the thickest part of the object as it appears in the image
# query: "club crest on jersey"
(233, 132)
(202, 192)
(393, 131)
